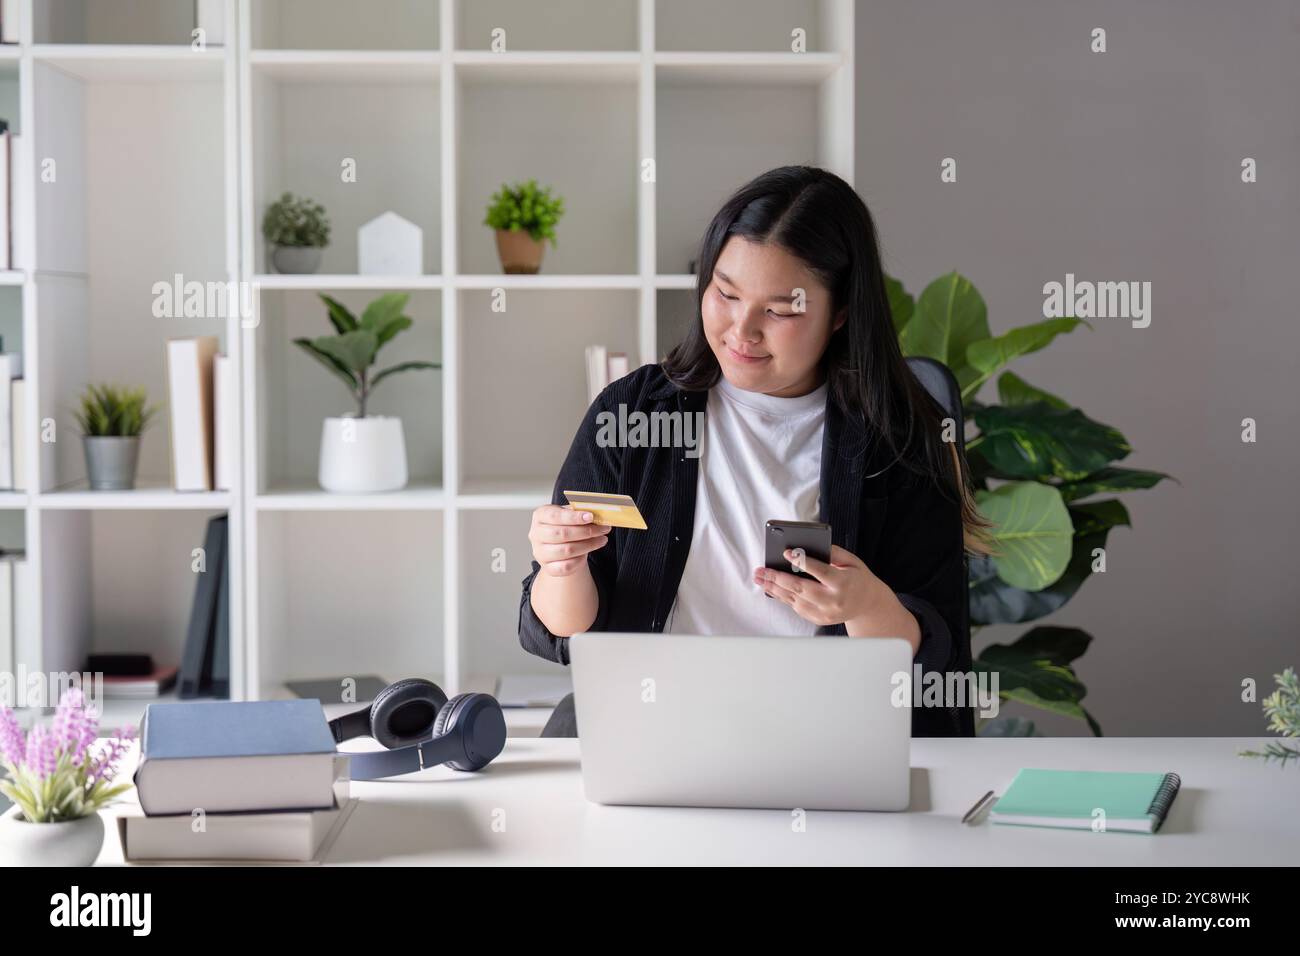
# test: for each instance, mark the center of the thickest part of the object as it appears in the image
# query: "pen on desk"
(975, 809)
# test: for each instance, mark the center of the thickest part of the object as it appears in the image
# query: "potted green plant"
(296, 229)
(59, 779)
(112, 418)
(362, 452)
(1038, 465)
(524, 217)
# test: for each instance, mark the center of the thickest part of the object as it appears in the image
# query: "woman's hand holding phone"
(845, 591)
(562, 538)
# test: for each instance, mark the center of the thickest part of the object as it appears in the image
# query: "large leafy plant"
(351, 352)
(525, 206)
(1043, 471)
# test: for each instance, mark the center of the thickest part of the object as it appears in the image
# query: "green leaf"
(329, 361)
(383, 310)
(1032, 680)
(1014, 390)
(401, 367)
(949, 316)
(901, 304)
(1031, 533)
(993, 601)
(1108, 480)
(1095, 516)
(1038, 441)
(1035, 670)
(986, 356)
(342, 319)
(1057, 645)
(353, 350)
(399, 323)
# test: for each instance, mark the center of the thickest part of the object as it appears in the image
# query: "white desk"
(1230, 810)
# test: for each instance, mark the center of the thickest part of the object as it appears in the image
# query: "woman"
(810, 413)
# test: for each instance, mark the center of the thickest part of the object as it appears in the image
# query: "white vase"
(362, 454)
(71, 843)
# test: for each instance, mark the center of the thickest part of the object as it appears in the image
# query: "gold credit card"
(617, 510)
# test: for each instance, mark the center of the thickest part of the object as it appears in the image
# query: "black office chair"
(938, 380)
(942, 385)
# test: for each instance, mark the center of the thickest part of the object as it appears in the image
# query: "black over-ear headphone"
(422, 728)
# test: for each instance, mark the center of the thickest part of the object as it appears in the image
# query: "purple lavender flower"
(42, 752)
(71, 702)
(105, 767)
(13, 743)
(74, 728)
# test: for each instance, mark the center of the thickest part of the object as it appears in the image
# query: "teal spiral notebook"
(1077, 799)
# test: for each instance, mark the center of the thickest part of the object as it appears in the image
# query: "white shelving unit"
(167, 160)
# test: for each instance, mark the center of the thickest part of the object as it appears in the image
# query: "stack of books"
(130, 676)
(237, 780)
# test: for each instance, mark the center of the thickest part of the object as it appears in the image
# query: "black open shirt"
(899, 524)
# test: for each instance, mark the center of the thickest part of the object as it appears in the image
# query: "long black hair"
(818, 218)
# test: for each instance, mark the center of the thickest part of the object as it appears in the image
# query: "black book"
(221, 627)
(196, 661)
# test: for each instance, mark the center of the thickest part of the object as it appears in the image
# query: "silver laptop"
(774, 722)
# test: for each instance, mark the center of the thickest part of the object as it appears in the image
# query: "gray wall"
(1125, 165)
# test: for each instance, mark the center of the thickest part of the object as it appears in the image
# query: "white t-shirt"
(760, 460)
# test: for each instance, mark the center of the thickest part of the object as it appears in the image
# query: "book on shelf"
(28, 653)
(19, 255)
(6, 196)
(18, 432)
(140, 686)
(223, 405)
(603, 367)
(8, 622)
(11, 367)
(219, 676)
(198, 660)
(189, 389)
(208, 18)
(9, 21)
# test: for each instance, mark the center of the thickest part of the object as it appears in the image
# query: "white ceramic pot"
(73, 843)
(362, 454)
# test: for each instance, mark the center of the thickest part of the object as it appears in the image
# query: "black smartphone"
(813, 537)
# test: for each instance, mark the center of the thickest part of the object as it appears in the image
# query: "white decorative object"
(71, 843)
(362, 454)
(390, 246)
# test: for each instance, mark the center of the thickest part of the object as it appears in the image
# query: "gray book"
(226, 756)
